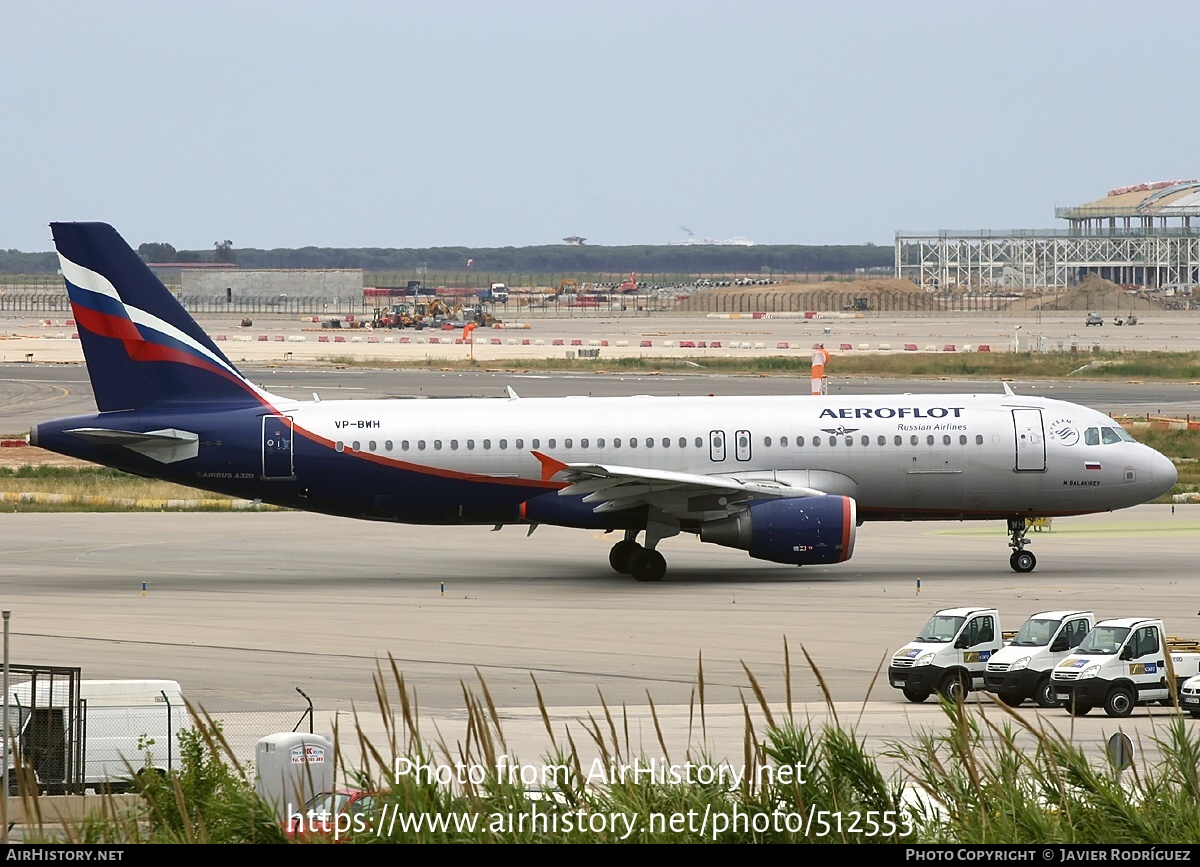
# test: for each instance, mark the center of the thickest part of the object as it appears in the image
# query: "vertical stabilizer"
(140, 345)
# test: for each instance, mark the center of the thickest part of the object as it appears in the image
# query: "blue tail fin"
(140, 345)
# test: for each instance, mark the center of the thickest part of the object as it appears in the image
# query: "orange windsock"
(467, 329)
(819, 357)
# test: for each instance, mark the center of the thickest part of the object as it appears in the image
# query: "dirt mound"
(1093, 292)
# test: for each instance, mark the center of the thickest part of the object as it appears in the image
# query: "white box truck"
(1021, 669)
(948, 655)
(116, 729)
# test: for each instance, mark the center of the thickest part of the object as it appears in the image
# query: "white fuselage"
(899, 456)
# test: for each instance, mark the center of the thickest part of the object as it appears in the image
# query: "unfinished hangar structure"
(1145, 235)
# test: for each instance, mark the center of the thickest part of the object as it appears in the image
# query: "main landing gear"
(630, 558)
(1021, 560)
(642, 561)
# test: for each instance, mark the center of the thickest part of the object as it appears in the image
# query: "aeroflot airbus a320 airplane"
(788, 479)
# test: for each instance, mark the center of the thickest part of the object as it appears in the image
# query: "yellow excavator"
(396, 316)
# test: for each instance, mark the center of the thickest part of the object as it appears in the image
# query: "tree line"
(554, 259)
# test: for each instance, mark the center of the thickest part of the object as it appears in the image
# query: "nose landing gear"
(1021, 560)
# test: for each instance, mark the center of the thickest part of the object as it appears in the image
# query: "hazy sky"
(477, 123)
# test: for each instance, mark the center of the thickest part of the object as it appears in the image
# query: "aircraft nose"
(1163, 472)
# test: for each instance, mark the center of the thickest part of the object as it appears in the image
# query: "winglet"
(512, 394)
(1007, 390)
(550, 465)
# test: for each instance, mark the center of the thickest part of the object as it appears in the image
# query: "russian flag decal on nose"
(1091, 465)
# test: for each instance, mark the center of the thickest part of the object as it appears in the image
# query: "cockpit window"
(1091, 436)
(1110, 436)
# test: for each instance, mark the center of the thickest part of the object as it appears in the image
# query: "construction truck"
(396, 316)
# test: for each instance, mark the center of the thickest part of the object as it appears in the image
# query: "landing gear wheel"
(621, 554)
(1022, 561)
(916, 696)
(1044, 694)
(952, 688)
(647, 565)
(1118, 702)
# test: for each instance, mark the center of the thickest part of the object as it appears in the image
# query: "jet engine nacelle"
(797, 530)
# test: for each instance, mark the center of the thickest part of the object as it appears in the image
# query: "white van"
(118, 728)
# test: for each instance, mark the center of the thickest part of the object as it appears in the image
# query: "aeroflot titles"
(895, 412)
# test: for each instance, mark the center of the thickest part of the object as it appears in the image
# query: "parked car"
(1094, 319)
(334, 815)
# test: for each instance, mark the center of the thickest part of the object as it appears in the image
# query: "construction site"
(1135, 249)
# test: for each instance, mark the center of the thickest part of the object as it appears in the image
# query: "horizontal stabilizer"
(165, 446)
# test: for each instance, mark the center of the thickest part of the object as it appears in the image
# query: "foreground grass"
(95, 489)
(1164, 366)
(970, 781)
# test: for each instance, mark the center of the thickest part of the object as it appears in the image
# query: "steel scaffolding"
(947, 260)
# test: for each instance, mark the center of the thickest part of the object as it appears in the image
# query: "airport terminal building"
(1145, 236)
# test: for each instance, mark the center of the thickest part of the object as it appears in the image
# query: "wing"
(683, 495)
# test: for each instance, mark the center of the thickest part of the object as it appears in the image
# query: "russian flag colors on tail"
(140, 345)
